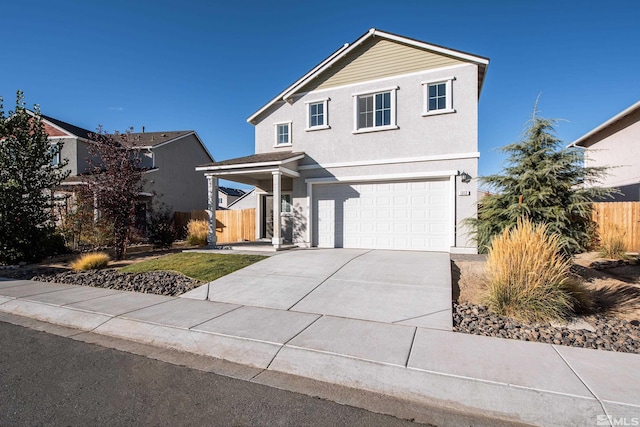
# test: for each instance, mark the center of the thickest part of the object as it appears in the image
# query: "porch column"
(212, 205)
(277, 227)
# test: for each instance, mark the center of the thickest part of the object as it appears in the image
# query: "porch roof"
(252, 169)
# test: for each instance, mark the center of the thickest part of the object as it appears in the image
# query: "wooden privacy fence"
(625, 215)
(231, 225)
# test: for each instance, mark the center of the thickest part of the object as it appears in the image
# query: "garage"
(407, 215)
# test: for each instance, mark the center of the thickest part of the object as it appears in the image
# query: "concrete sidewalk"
(532, 383)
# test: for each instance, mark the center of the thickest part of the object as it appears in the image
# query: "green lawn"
(199, 266)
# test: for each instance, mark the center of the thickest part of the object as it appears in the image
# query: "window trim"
(393, 119)
(325, 106)
(448, 81)
(284, 212)
(275, 132)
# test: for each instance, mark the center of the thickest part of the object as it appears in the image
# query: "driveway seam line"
(215, 317)
(284, 345)
(422, 315)
(413, 340)
(328, 277)
(581, 380)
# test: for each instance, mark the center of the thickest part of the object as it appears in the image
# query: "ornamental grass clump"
(612, 242)
(197, 232)
(91, 261)
(529, 278)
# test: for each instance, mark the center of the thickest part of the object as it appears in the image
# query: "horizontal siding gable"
(379, 58)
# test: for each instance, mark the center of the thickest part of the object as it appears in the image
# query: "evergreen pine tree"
(27, 179)
(545, 182)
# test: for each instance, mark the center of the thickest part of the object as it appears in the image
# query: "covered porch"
(272, 174)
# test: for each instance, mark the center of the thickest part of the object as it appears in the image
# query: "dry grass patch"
(529, 279)
(197, 232)
(91, 261)
(612, 242)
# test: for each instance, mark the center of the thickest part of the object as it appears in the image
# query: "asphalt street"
(46, 379)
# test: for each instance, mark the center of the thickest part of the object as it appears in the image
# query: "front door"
(267, 217)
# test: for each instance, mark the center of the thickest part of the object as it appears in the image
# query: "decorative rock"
(155, 282)
(608, 333)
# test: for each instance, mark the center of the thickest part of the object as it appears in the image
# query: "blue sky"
(207, 66)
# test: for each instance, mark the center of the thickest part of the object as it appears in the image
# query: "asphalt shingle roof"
(277, 156)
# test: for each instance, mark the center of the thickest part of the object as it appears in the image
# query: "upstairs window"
(283, 134)
(375, 111)
(438, 97)
(317, 117)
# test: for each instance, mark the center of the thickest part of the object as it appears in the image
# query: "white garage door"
(411, 215)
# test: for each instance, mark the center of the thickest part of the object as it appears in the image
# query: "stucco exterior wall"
(176, 180)
(619, 149)
(69, 152)
(416, 135)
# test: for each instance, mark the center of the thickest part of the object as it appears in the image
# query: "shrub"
(161, 231)
(197, 232)
(612, 243)
(529, 278)
(91, 261)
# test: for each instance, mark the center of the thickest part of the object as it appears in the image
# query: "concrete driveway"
(401, 287)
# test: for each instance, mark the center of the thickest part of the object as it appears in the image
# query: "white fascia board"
(605, 124)
(389, 177)
(341, 53)
(461, 156)
(439, 49)
(167, 142)
(296, 84)
(180, 137)
(248, 165)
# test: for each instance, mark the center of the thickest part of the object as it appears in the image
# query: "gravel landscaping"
(608, 333)
(155, 282)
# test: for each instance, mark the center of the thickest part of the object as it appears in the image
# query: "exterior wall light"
(465, 177)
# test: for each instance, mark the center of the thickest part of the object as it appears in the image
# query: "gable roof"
(347, 48)
(72, 130)
(152, 139)
(231, 191)
(602, 131)
(138, 139)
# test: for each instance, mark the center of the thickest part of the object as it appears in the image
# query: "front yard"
(614, 323)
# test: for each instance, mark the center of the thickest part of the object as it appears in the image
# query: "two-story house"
(168, 158)
(374, 147)
(615, 144)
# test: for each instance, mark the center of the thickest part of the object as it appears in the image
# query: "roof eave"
(347, 48)
(580, 141)
(213, 168)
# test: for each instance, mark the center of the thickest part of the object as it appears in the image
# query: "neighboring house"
(227, 195)
(616, 144)
(169, 160)
(375, 147)
(247, 201)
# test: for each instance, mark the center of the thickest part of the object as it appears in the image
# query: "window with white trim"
(285, 206)
(375, 111)
(283, 133)
(317, 117)
(56, 159)
(438, 96)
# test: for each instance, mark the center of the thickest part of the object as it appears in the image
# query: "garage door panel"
(386, 215)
